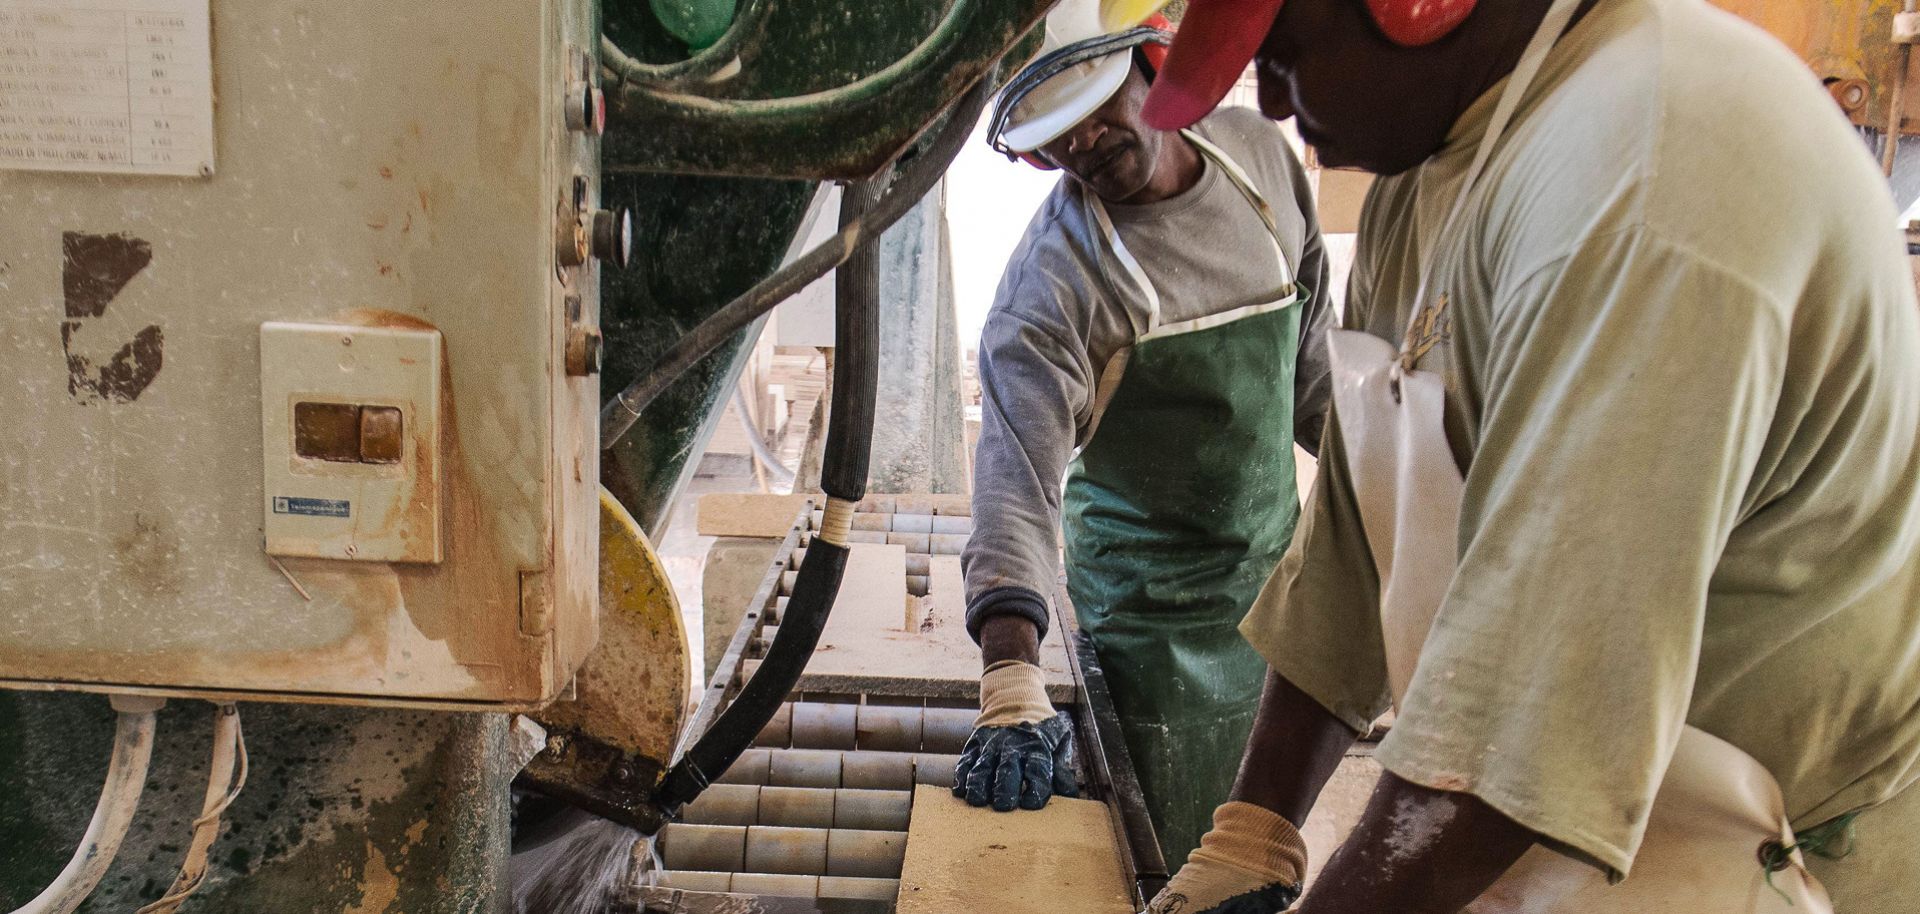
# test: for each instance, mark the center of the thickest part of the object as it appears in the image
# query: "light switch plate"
(384, 511)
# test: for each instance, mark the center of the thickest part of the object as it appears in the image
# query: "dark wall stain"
(94, 270)
(97, 267)
(123, 378)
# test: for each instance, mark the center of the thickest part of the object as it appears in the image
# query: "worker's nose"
(1084, 137)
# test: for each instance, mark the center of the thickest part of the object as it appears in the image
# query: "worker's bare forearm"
(1295, 746)
(1419, 851)
(1009, 637)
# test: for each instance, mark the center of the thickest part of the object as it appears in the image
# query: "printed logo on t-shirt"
(1430, 326)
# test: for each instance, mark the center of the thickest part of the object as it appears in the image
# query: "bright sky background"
(989, 202)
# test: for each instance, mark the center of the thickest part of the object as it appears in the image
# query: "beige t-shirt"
(1683, 369)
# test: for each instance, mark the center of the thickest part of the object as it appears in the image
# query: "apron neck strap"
(1241, 182)
(1518, 82)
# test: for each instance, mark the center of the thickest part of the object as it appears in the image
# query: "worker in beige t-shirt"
(1670, 345)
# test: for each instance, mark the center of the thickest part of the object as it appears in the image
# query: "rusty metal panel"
(383, 165)
(1843, 42)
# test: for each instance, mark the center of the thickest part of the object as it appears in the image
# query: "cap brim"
(1212, 47)
(1069, 104)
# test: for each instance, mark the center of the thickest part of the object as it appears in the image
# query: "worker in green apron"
(1143, 385)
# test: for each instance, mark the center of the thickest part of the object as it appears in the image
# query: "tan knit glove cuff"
(1013, 692)
(1249, 848)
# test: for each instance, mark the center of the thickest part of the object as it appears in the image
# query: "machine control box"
(350, 420)
(301, 426)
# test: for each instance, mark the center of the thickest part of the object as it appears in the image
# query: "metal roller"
(878, 771)
(796, 851)
(888, 727)
(935, 769)
(945, 730)
(803, 768)
(801, 807)
(919, 584)
(781, 884)
(912, 523)
(716, 848)
(696, 880)
(877, 728)
(749, 768)
(875, 504)
(872, 521)
(777, 734)
(866, 536)
(725, 804)
(884, 728)
(784, 885)
(856, 887)
(771, 849)
(872, 810)
(859, 852)
(867, 770)
(795, 807)
(919, 564)
(818, 725)
(949, 524)
(786, 582)
(915, 542)
(947, 543)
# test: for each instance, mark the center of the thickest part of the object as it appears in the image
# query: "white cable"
(226, 775)
(761, 452)
(126, 778)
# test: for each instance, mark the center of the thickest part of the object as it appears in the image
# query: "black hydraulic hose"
(848, 450)
(843, 473)
(911, 184)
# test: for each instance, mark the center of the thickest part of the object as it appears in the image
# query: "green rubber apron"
(1177, 508)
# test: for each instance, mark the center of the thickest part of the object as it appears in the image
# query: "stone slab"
(749, 514)
(1061, 858)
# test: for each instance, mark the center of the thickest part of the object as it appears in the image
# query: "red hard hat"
(1218, 38)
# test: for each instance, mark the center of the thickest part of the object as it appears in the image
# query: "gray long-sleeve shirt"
(1065, 307)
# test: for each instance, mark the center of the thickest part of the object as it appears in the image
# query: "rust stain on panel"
(149, 555)
(95, 268)
(126, 374)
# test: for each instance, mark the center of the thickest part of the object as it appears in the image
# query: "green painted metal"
(830, 90)
(700, 242)
(345, 809)
(699, 23)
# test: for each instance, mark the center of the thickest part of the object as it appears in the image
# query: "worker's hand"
(1250, 863)
(1021, 752)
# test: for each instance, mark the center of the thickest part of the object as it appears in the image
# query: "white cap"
(1054, 106)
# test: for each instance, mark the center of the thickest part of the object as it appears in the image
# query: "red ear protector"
(1412, 23)
(1149, 42)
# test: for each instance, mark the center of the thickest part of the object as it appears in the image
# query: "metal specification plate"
(114, 86)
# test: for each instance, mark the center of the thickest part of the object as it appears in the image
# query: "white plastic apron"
(1716, 807)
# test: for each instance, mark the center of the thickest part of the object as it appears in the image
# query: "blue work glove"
(1021, 751)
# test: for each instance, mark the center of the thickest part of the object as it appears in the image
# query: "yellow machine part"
(632, 692)
(1848, 44)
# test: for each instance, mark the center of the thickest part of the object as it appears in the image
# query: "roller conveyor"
(815, 817)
